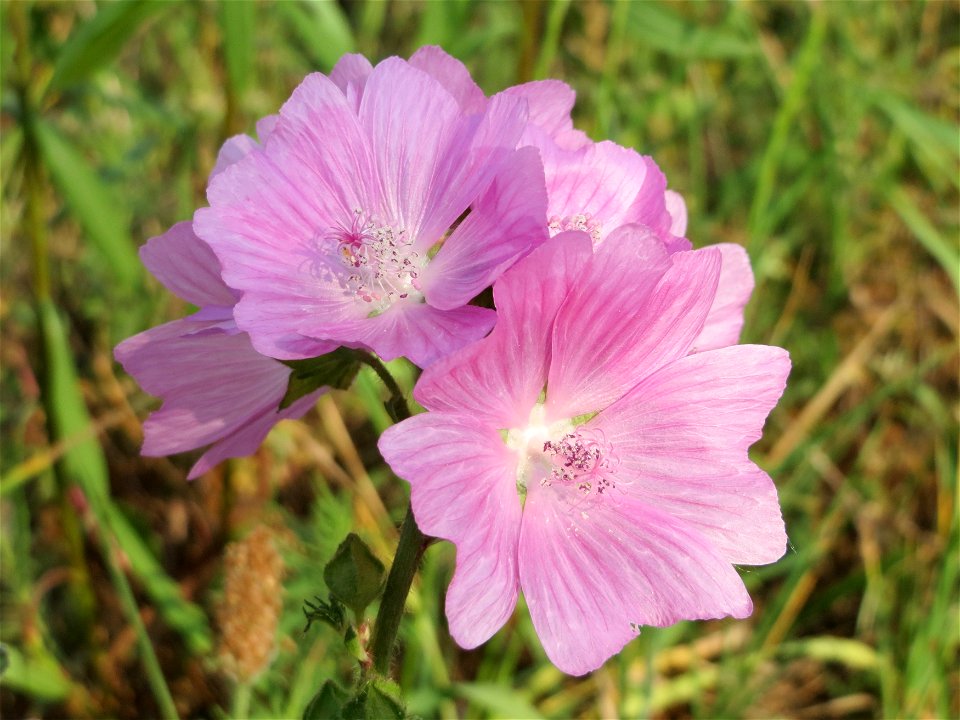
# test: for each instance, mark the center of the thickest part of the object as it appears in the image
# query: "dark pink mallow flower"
(348, 225)
(218, 392)
(580, 452)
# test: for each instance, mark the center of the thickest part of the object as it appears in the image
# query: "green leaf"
(39, 676)
(354, 576)
(336, 369)
(327, 703)
(93, 204)
(238, 20)
(99, 40)
(323, 29)
(656, 26)
(373, 703)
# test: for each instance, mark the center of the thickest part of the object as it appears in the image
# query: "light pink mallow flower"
(343, 226)
(218, 392)
(581, 454)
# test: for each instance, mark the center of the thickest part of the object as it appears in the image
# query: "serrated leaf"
(371, 703)
(336, 369)
(354, 575)
(100, 39)
(327, 703)
(93, 204)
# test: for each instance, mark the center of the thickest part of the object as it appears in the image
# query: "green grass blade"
(100, 40)
(927, 235)
(238, 19)
(659, 27)
(323, 29)
(499, 701)
(93, 204)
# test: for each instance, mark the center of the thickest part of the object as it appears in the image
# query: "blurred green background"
(823, 136)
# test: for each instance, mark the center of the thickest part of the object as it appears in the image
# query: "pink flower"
(580, 452)
(343, 226)
(217, 390)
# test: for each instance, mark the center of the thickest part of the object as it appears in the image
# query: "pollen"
(582, 459)
(381, 265)
(584, 222)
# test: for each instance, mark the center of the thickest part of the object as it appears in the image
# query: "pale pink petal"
(500, 377)
(247, 438)
(234, 149)
(272, 212)
(508, 221)
(600, 181)
(725, 319)
(549, 103)
(635, 310)
(649, 207)
(593, 573)
(453, 75)
(682, 435)
(432, 160)
(678, 212)
(350, 75)
(213, 384)
(187, 266)
(265, 126)
(419, 332)
(463, 489)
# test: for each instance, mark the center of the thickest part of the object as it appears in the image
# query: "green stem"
(241, 701)
(409, 551)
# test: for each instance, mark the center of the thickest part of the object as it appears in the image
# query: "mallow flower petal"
(350, 75)
(677, 208)
(214, 386)
(507, 222)
(500, 377)
(453, 75)
(271, 213)
(462, 489)
(234, 149)
(411, 121)
(635, 310)
(187, 266)
(681, 436)
(594, 573)
(725, 319)
(417, 331)
(550, 103)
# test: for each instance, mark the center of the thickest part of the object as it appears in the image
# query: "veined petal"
(213, 384)
(550, 103)
(678, 212)
(187, 266)
(453, 75)
(411, 121)
(417, 331)
(725, 319)
(508, 221)
(233, 150)
(682, 436)
(272, 213)
(500, 377)
(350, 75)
(463, 489)
(593, 573)
(635, 309)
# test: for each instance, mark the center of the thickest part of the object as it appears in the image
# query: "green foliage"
(336, 370)
(354, 575)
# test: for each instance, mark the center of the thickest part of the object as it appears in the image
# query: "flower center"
(382, 265)
(582, 459)
(583, 222)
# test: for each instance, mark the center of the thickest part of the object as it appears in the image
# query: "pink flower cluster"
(585, 442)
